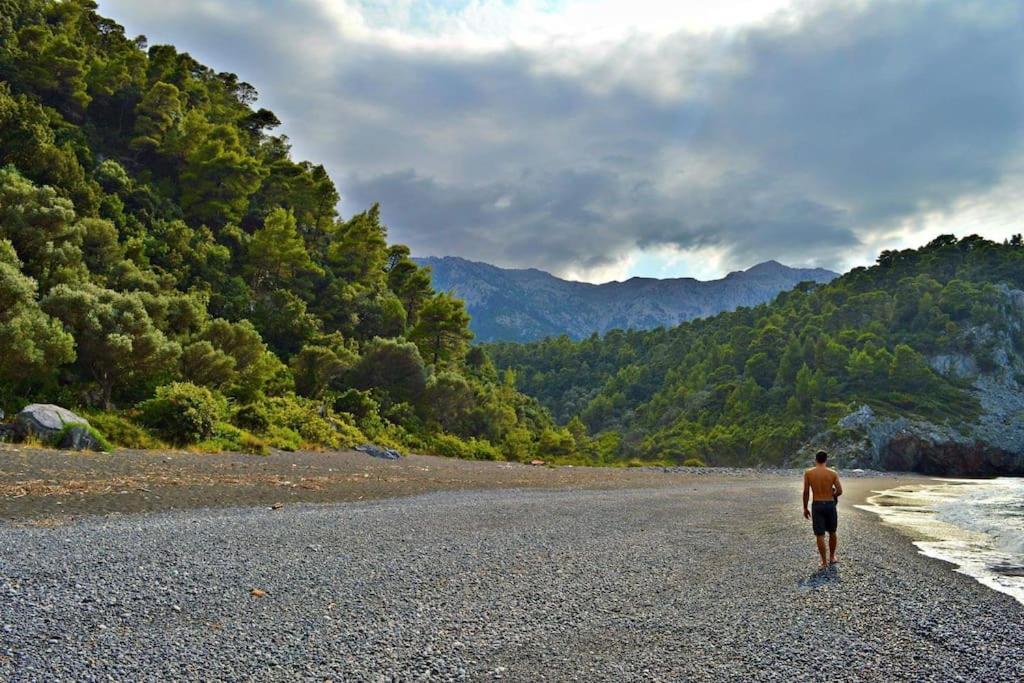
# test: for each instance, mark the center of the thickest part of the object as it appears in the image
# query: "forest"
(167, 268)
(751, 386)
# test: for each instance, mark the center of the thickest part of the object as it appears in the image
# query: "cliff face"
(525, 305)
(991, 444)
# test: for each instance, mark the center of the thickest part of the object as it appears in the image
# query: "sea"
(977, 525)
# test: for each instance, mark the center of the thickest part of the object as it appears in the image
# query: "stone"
(376, 451)
(79, 438)
(44, 420)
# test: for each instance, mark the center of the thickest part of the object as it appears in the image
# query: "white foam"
(976, 525)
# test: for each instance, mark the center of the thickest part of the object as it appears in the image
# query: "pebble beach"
(687, 578)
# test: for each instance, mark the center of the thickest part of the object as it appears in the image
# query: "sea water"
(978, 525)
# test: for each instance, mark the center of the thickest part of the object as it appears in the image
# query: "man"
(824, 482)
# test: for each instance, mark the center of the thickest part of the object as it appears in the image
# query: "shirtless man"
(824, 482)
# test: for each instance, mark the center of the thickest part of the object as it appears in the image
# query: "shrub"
(183, 413)
(358, 404)
(452, 446)
(694, 462)
(283, 438)
(315, 425)
(482, 449)
(449, 446)
(518, 445)
(121, 431)
(252, 416)
(347, 435)
(227, 437)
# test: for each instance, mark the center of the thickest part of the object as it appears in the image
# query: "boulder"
(379, 451)
(79, 438)
(44, 420)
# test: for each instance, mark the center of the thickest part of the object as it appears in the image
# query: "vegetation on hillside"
(168, 268)
(752, 385)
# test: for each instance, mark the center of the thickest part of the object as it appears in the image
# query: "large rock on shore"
(376, 451)
(44, 420)
(79, 438)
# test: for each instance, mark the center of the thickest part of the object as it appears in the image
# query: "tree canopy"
(155, 232)
(752, 385)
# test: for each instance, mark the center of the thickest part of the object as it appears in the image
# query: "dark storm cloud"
(886, 109)
(793, 140)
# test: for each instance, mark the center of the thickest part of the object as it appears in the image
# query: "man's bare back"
(824, 482)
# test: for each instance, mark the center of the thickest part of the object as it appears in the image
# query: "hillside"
(914, 363)
(168, 270)
(526, 305)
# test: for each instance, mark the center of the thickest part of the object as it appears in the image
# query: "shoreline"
(917, 510)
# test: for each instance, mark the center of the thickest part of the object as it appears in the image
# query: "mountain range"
(530, 304)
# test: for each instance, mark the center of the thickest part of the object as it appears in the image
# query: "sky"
(604, 139)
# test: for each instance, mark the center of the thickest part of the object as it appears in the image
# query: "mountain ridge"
(526, 304)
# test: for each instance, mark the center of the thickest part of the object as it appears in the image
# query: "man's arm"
(837, 488)
(807, 496)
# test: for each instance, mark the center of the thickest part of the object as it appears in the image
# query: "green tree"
(158, 112)
(909, 371)
(117, 342)
(218, 178)
(33, 344)
(442, 333)
(392, 367)
(277, 252)
(761, 368)
(41, 226)
(316, 367)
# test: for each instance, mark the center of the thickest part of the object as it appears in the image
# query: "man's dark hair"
(821, 456)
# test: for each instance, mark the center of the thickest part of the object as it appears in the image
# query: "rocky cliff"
(990, 444)
(524, 305)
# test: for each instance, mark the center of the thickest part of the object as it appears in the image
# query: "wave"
(976, 525)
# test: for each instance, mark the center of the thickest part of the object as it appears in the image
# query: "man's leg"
(820, 538)
(833, 540)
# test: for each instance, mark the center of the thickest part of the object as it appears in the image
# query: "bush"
(694, 462)
(252, 416)
(452, 446)
(283, 438)
(518, 445)
(449, 446)
(121, 431)
(315, 425)
(183, 413)
(358, 404)
(228, 437)
(482, 449)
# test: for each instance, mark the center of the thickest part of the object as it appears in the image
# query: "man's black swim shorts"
(824, 517)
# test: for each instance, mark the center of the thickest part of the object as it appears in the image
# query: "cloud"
(811, 136)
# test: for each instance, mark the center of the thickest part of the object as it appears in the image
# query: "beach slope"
(697, 578)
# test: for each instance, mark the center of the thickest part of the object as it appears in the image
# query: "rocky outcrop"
(992, 443)
(44, 420)
(917, 446)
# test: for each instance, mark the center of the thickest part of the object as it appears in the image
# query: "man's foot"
(834, 560)
(822, 567)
